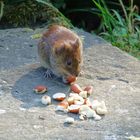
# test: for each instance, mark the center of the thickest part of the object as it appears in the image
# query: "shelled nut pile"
(78, 101)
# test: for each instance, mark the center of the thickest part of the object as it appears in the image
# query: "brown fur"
(58, 47)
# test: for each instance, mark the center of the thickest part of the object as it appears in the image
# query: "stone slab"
(114, 75)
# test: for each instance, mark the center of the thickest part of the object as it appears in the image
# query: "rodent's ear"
(59, 49)
(76, 44)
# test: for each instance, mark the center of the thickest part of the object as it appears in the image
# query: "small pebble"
(41, 118)
(2, 111)
(69, 120)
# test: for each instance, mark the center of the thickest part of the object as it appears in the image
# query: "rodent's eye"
(69, 62)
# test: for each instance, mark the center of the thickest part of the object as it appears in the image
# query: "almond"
(97, 117)
(77, 99)
(76, 88)
(88, 102)
(83, 94)
(95, 104)
(70, 100)
(40, 89)
(78, 102)
(101, 111)
(59, 96)
(62, 106)
(74, 108)
(87, 111)
(71, 79)
(89, 89)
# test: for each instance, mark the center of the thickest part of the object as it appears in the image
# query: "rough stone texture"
(114, 75)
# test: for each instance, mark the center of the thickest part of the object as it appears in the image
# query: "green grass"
(123, 32)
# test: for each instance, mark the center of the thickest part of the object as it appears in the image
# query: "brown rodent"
(60, 50)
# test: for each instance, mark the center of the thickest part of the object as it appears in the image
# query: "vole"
(60, 51)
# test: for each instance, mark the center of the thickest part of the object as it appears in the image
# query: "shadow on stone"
(23, 88)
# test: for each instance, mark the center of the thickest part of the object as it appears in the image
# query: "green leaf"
(120, 19)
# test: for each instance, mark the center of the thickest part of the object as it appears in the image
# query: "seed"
(40, 89)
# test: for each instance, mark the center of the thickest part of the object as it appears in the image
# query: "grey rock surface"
(114, 75)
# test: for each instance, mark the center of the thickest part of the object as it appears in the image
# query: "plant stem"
(123, 8)
(1, 9)
(130, 18)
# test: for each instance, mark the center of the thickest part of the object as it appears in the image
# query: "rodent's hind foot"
(48, 74)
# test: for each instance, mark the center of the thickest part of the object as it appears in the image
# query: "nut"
(88, 102)
(74, 108)
(59, 96)
(73, 95)
(99, 107)
(70, 100)
(40, 89)
(77, 99)
(84, 108)
(87, 111)
(89, 90)
(95, 104)
(46, 100)
(62, 106)
(71, 79)
(97, 117)
(83, 94)
(76, 88)
(101, 111)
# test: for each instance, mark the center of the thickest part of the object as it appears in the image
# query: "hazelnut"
(46, 100)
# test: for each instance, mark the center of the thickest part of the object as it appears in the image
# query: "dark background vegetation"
(115, 20)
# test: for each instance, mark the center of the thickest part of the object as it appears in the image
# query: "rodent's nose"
(77, 73)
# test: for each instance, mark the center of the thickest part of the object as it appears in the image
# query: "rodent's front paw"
(48, 73)
(64, 80)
